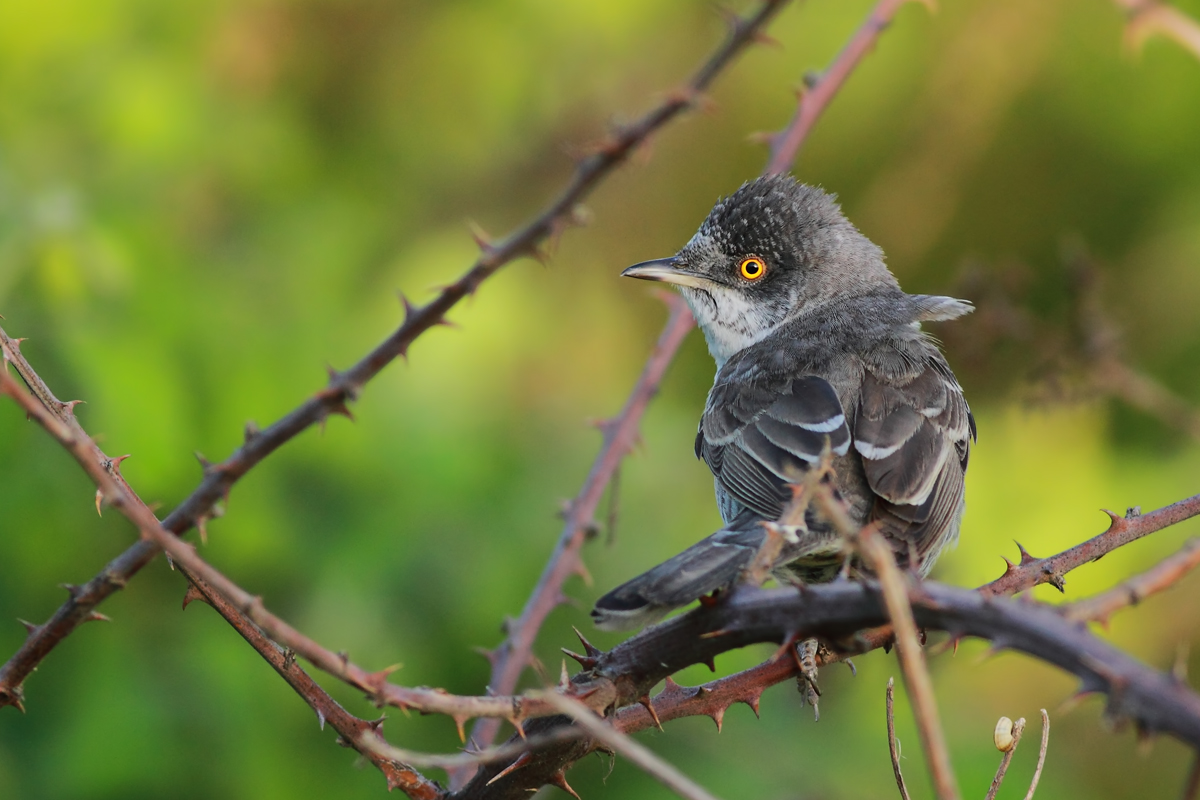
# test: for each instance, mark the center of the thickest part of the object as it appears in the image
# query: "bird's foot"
(806, 682)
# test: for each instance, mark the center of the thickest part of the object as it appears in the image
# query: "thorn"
(250, 432)
(30, 628)
(202, 528)
(582, 571)
(710, 600)
(69, 407)
(785, 647)
(205, 464)
(718, 717)
(711, 664)
(854, 669)
(714, 634)
(559, 779)
(520, 728)
(96, 616)
(594, 651)
(482, 239)
(1026, 559)
(1009, 567)
(72, 590)
(458, 723)
(564, 680)
(490, 655)
(321, 718)
(99, 500)
(1115, 522)
(587, 662)
(752, 701)
(645, 701)
(376, 680)
(524, 759)
(342, 409)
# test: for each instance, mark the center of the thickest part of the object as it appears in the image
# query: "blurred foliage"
(201, 204)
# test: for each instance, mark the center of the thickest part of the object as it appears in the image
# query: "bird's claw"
(806, 682)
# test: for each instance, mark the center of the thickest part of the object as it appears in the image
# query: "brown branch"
(1121, 531)
(878, 556)
(344, 387)
(620, 436)
(815, 97)
(1037, 773)
(616, 741)
(1012, 737)
(1150, 17)
(375, 684)
(1134, 590)
(893, 743)
(352, 731)
(1154, 701)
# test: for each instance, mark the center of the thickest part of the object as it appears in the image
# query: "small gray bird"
(815, 343)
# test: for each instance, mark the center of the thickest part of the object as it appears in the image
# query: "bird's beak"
(667, 270)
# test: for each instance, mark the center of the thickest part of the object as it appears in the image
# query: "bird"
(818, 351)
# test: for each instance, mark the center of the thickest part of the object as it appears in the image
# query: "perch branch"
(836, 612)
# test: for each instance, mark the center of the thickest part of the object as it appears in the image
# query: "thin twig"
(1150, 17)
(619, 743)
(451, 761)
(1037, 773)
(344, 387)
(1134, 590)
(1018, 728)
(815, 98)
(1191, 789)
(878, 556)
(893, 743)
(620, 436)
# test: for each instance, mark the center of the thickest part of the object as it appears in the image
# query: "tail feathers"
(706, 566)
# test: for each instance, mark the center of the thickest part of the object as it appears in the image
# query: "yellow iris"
(752, 268)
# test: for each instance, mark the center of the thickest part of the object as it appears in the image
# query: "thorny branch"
(1153, 701)
(620, 436)
(817, 93)
(344, 387)
(511, 657)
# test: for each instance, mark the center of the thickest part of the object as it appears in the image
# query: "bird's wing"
(912, 430)
(761, 434)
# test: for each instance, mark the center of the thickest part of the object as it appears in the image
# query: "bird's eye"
(752, 268)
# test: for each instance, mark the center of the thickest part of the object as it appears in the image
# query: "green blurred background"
(203, 203)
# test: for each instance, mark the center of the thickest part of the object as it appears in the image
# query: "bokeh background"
(203, 203)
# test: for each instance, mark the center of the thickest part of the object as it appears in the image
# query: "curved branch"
(1154, 701)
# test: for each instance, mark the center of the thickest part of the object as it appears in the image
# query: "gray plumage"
(821, 344)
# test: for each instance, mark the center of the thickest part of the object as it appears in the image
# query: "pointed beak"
(667, 270)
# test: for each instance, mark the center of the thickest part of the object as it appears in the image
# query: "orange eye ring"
(752, 268)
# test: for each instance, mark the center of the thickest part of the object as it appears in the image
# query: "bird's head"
(773, 249)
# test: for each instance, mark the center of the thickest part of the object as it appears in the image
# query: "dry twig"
(893, 743)
(1134, 590)
(1014, 736)
(1037, 773)
(619, 743)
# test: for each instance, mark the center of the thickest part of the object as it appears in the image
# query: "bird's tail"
(710, 564)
